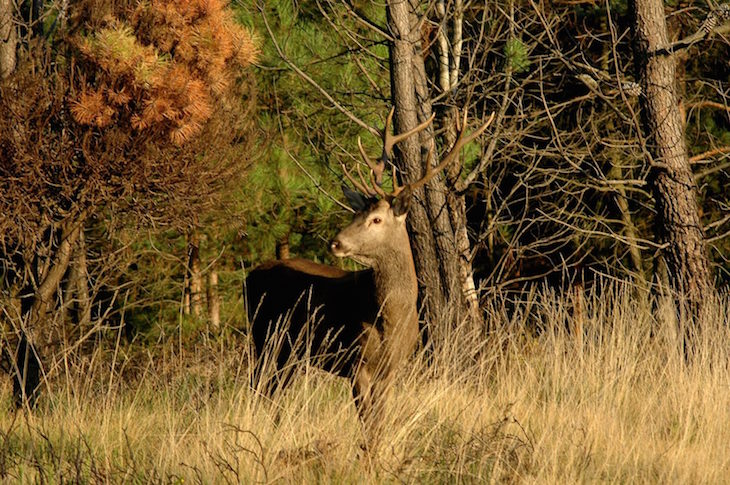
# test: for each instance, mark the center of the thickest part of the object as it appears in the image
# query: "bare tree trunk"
(409, 156)
(81, 281)
(432, 236)
(449, 75)
(617, 173)
(678, 223)
(194, 281)
(282, 248)
(35, 309)
(44, 295)
(622, 202)
(214, 302)
(8, 38)
(186, 294)
(77, 287)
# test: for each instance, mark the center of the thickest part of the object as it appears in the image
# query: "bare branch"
(311, 81)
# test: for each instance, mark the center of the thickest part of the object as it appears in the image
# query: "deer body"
(356, 324)
(362, 324)
(334, 303)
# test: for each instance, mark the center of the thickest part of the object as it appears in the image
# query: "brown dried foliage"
(162, 68)
(103, 116)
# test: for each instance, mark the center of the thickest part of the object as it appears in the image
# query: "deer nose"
(338, 248)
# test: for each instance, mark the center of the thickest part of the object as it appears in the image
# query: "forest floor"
(547, 397)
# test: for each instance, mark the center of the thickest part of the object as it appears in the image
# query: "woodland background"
(153, 152)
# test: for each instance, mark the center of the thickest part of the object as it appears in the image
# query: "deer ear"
(402, 202)
(356, 199)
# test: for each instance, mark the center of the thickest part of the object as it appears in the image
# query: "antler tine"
(461, 140)
(377, 167)
(376, 190)
(359, 186)
(396, 187)
(389, 140)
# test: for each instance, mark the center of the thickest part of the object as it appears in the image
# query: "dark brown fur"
(327, 302)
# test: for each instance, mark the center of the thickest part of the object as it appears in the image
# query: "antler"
(460, 142)
(389, 140)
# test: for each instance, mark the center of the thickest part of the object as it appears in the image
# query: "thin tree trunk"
(282, 248)
(77, 287)
(622, 202)
(678, 223)
(8, 38)
(81, 282)
(194, 279)
(214, 303)
(617, 173)
(449, 77)
(408, 110)
(35, 310)
(44, 296)
(186, 293)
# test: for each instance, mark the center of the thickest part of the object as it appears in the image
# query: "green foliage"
(470, 157)
(517, 55)
(304, 132)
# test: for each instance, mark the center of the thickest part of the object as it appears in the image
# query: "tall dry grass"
(612, 400)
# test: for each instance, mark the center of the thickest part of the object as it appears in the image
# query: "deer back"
(321, 307)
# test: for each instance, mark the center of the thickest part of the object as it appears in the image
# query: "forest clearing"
(615, 403)
(334, 241)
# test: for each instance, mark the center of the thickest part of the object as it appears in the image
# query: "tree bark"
(449, 76)
(408, 155)
(35, 308)
(282, 248)
(433, 238)
(214, 302)
(76, 295)
(194, 279)
(678, 223)
(8, 39)
(617, 173)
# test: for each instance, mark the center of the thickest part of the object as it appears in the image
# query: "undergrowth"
(547, 395)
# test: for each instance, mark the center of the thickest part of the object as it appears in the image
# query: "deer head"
(379, 224)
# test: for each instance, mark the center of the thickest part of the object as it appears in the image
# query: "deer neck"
(396, 285)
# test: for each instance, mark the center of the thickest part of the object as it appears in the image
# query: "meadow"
(545, 396)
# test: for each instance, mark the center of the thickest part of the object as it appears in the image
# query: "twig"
(311, 81)
(709, 153)
(709, 25)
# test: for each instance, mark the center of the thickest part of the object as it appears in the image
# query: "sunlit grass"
(528, 402)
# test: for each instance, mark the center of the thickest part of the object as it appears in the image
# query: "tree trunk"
(76, 295)
(36, 305)
(432, 237)
(214, 302)
(81, 281)
(282, 248)
(449, 54)
(629, 230)
(8, 38)
(678, 223)
(617, 173)
(194, 282)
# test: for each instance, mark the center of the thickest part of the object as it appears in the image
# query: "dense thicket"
(562, 186)
(109, 109)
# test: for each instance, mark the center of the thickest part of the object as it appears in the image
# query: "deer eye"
(377, 220)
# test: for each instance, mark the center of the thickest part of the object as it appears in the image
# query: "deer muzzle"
(338, 248)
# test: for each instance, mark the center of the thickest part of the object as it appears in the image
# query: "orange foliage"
(161, 69)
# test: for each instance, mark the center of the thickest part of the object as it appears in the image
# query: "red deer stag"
(356, 324)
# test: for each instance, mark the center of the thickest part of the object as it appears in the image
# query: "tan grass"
(529, 402)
